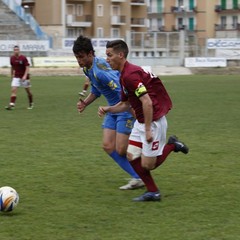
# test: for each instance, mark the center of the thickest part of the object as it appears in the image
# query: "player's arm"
(26, 73)
(90, 98)
(119, 107)
(82, 104)
(148, 113)
(12, 72)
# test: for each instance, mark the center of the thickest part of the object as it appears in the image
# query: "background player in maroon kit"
(145, 93)
(20, 77)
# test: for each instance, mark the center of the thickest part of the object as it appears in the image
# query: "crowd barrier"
(72, 62)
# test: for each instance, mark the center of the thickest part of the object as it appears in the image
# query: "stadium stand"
(15, 24)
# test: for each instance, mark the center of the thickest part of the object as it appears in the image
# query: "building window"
(235, 21)
(181, 24)
(160, 24)
(235, 4)
(115, 10)
(191, 24)
(100, 10)
(159, 6)
(70, 9)
(79, 9)
(191, 5)
(74, 32)
(115, 33)
(180, 3)
(223, 22)
(100, 33)
(224, 4)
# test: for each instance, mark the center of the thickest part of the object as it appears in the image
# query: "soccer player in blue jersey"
(116, 126)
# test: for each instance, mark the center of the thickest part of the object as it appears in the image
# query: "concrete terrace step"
(12, 27)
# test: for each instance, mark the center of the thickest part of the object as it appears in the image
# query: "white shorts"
(159, 131)
(18, 82)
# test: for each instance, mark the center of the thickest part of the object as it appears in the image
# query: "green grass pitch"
(68, 186)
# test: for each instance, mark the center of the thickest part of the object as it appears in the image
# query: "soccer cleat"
(30, 106)
(148, 196)
(9, 107)
(179, 146)
(133, 183)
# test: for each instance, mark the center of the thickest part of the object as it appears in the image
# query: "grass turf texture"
(68, 186)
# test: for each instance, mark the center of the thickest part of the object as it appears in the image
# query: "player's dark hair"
(118, 46)
(82, 44)
(16, 46)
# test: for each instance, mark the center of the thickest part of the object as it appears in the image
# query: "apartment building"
(97, 18)
(200, 19)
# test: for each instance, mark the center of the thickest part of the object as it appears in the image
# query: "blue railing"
(28, 19)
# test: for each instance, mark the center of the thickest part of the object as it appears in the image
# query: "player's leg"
(134, 154)
(109, 146)
(27, 86)
(14, 86)
(153, 154)
(108, 140)
(124, 128)
(156, 152)
(30, 97)
(173, 143)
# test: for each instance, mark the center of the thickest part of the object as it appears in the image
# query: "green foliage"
(68, 186)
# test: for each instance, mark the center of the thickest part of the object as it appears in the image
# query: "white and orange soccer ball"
(9, 199)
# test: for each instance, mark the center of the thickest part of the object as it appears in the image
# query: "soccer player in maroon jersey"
(146, 95)
(20, 77)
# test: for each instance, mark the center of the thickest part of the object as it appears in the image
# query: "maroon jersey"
(135, 83)
(19, 65)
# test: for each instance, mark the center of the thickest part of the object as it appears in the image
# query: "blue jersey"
(104, 81)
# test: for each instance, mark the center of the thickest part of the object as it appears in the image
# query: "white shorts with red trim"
(137, 138)
(18, 82)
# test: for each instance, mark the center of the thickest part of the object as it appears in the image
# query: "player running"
(145, 93)
(117, 126)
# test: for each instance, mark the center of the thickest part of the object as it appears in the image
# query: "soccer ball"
(8, 199)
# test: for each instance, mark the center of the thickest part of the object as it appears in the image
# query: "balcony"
(227, 27)
(138, 22)
(28, 5)
(186, 28)
(156, 28)
(183, 9)
(77, 1)
(161, 28)
(28, 1)
(195, 9)
(79, 21)
(118, 20)
(220, 9)
(177, 9)
(138, 2)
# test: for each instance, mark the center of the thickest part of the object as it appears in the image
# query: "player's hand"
(81, 105)
(101, 111)
(24, 78)
(149, 137)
